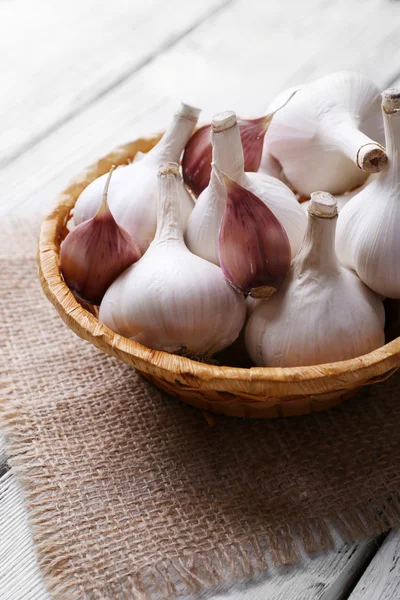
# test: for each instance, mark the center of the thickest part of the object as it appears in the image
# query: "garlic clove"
(96, 252)
(171, 299)
(328, 137)
(133, 191)
(322, 313)
(254, 250)
(196, 162)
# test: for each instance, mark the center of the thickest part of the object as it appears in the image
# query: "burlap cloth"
(131, 494)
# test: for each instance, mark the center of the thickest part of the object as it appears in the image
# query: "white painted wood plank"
(207, 69)
(248, 54)
(20, 578)
(57, 57)
(381, 580)
(324, 577)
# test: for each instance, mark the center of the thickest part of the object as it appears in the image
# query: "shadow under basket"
(237, 391)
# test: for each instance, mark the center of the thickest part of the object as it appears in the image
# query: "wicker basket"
(236, 391)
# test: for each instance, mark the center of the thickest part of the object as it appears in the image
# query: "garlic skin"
(96, 252)
(171, 299)
(368, 238)
(205, 220)
(322, 313)
(269, 165)
(133, 190)
(328, 136)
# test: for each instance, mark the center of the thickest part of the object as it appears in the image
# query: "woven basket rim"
(282, 381)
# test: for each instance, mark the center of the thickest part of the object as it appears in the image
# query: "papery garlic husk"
(328, 136)
(205, 220)
(171, 299)
(253, 248)
(322, 313)
(197, 158)
(133, 190)
(368, 239)
(96, 252)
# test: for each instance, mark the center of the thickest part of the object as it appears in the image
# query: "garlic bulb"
(322, 137)
(269, 165)
(253, 248)
(196, 162)
(133, 191)
(323, 312)
(205, 220)
(171, 299)
(96, 252)
(368, 239)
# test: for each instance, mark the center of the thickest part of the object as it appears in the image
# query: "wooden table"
(79, 77)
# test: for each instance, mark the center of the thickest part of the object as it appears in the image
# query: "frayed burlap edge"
(169, 578)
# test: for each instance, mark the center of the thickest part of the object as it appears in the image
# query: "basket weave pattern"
(244, 392)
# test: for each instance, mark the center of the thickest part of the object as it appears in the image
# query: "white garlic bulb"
(328, 136)
(323, 312)
(205, 220)
(173, 300)
(132, 196)
(368, 239)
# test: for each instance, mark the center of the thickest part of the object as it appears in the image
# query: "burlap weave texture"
(131, 494)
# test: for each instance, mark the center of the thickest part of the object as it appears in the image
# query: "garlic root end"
(264, 291)
(391, 100)
(372, 158)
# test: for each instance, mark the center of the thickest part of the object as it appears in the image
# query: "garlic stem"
(168, 226)
(218, 173)
(368, 156)
(104, 208)
(318, 249)
(227, 145)
(177, 134)
(391, 120)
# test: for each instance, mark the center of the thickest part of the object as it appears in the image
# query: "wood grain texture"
(381, 580)
(323, 577)
(61, 57)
